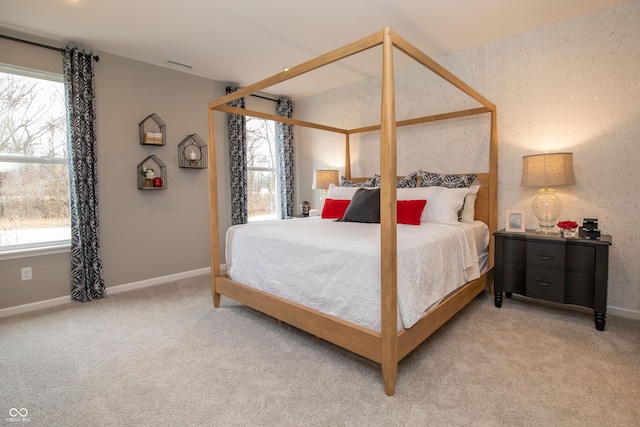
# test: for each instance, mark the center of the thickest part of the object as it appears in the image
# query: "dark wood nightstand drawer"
(545, 280)
(515, 251)
(545, 254)
(581, 258)
(514, 277)
(579, 288)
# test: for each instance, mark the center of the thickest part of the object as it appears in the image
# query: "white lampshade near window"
(545, 170)
(321, 180)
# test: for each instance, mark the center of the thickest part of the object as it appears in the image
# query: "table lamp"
(545, 170)
(321, 180)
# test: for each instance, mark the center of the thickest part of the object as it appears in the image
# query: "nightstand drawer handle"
(546, 255)
(544, 281)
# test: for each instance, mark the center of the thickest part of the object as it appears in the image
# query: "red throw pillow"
(409, 211)
(334, 208)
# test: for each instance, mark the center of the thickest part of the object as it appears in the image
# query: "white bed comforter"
(334, 267)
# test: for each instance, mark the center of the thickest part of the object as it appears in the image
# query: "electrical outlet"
(26, 273)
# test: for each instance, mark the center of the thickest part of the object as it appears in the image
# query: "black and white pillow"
(371, 182)
(409, 181)
(432, 179)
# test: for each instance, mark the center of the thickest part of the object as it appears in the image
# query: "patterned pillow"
(409, 181)
(371, 182)
(432, 179)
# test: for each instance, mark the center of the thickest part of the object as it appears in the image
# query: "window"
(262, 169)
(34, 185)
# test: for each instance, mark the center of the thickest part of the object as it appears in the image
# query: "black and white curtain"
(285, 150)
(87, 281)
(236, 125)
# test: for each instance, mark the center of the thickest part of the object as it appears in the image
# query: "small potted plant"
(148, 174)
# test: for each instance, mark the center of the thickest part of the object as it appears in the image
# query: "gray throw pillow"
(364, 206)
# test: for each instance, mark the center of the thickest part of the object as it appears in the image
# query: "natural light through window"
(34, 185)
(262, 169)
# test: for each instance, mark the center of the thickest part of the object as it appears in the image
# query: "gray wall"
(144, 234)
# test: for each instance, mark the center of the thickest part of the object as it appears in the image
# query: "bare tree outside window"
(34, 186)
(262, 169)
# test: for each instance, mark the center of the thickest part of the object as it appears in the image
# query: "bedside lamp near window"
(321, 180)
(545, 170)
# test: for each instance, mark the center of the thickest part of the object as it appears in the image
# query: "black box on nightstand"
(589, 234)
(589, 229)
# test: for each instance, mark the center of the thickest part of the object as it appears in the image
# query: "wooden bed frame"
(389, 346)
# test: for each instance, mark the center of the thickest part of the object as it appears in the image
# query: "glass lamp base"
(547, 207)
(322, 198)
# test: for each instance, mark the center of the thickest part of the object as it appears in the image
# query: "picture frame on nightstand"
(515, 221)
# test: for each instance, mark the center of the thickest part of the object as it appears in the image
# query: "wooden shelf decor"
(152, 174)
(192, 152)
(152, 131)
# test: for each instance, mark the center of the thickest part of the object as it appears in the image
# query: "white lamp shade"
(546, 170)
(323, 177)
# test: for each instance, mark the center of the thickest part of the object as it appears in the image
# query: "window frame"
(50, 246)
(275, 169)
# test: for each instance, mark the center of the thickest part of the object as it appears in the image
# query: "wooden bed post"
(213, 212)
(493, 185)
(388, 231)
(347, 157)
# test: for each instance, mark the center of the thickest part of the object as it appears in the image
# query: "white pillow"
(469, 210)
(443, 203)
(341, 193)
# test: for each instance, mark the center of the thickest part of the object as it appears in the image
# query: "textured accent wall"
(572, 86)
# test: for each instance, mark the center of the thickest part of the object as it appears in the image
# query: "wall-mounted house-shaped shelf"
(152, 174)
(192, 152)
(152, 131)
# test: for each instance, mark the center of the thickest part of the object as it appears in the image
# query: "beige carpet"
(163, 356)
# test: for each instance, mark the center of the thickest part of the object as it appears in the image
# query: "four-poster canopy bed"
(388, 345)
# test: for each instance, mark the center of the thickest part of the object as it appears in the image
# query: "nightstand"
(553, 268)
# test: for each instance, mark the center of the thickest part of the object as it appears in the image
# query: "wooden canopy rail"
(387, 347)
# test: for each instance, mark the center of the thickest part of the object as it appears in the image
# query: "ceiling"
(244, 41)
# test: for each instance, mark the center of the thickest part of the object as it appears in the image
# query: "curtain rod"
(264, 97)
(59, 49)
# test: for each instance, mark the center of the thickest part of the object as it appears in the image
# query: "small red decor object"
(568, 225)
(157, 182)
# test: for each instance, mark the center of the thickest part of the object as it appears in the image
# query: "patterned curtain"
(285, 150)
(238, 162)
(87, 281)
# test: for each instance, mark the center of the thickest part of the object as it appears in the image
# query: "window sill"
(45, 249)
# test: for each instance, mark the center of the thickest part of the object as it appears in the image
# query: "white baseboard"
(39, 305)
(157, 281)
(623, 312)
